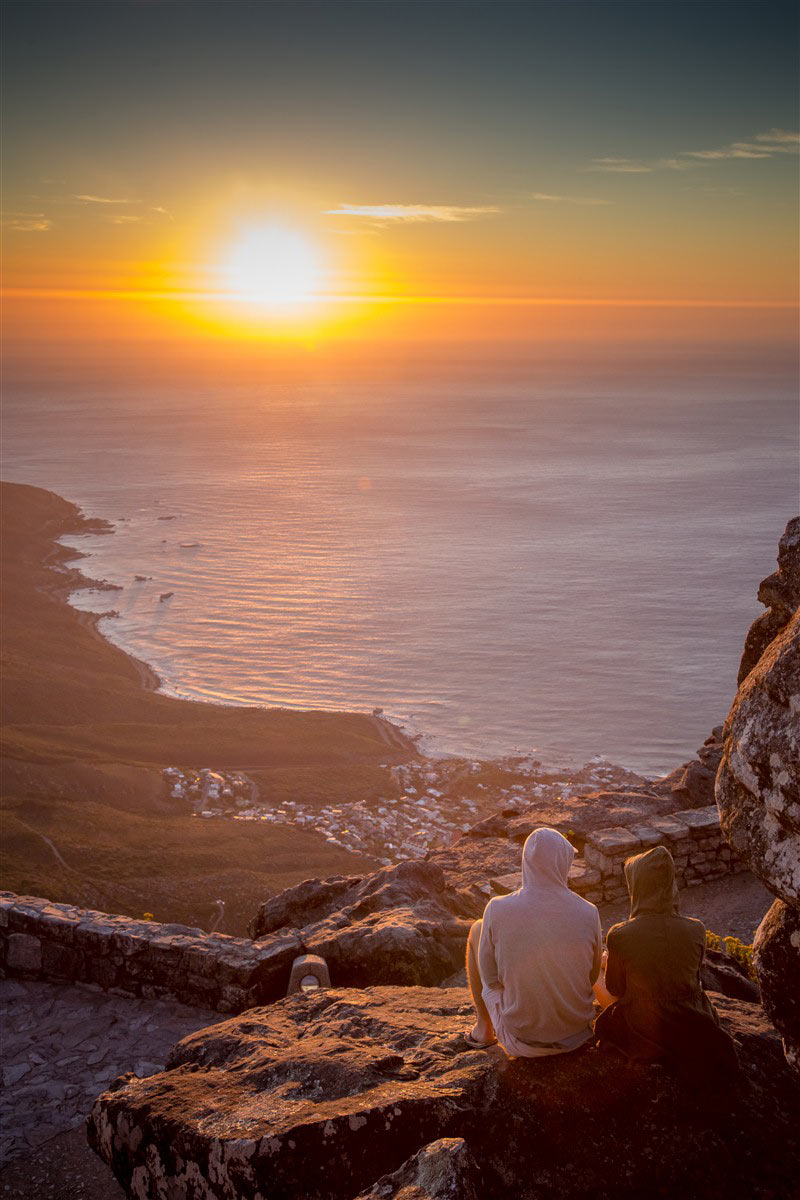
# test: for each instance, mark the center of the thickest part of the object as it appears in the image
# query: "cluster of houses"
(212, 793)
(387, 829)
(432, 801)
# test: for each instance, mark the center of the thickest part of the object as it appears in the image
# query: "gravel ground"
(62, 1046)
(733, 905)
(62, 1169)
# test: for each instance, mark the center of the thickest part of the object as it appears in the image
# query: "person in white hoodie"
(533, 958)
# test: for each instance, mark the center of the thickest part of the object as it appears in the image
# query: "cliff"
(758, 784)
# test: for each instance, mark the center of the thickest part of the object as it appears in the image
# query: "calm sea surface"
(554, 566)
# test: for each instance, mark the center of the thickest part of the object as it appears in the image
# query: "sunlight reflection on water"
(502, 569)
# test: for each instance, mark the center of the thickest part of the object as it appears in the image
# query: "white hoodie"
(539, 955)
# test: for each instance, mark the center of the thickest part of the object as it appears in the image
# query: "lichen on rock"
(758, 784)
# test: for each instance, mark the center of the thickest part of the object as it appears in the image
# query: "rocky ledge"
(758, 784)
(336, 1094)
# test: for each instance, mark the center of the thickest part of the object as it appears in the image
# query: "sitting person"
(655, 1006)
(532, 960)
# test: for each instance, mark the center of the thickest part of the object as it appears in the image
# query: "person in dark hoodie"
(656, 1008)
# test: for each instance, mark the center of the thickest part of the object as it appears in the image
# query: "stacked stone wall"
(60, 943)
(693, 837)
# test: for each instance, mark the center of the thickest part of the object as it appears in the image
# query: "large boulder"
(692, 784)
(776, 953)
(324, 1095)
(780, 592)
(758, 782)
(404, 924)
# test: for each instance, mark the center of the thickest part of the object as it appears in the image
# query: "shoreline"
(67, 578)
(391, 729)
(424, 741)
(34, 522)
(87, 815)
(70, 578)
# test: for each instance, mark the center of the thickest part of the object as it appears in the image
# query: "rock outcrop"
(692, 784)
(444, 1170)
(776, 953)
(403, 924)
(336, 1094)
(780, 593)
(758, 784)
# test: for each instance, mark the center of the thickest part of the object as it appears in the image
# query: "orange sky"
(541, 181)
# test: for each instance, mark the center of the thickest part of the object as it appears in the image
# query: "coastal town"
(429, 802)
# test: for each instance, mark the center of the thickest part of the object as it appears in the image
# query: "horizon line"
(386, 298)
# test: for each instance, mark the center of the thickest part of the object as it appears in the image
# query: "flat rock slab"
(322, 1095)
(62, 1044)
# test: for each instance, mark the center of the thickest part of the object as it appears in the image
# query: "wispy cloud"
(781, 137)
(26, 222)
(412, 212)
(620, 166)
(84, 198)
(673, 164)
(105, 208)
(548, 198)
(763, 145)
(734, 150)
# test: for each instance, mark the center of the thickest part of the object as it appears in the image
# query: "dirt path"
(50, 845)
(733, 905)
(391, 736)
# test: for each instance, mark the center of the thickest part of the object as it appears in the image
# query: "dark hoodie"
(654, 961)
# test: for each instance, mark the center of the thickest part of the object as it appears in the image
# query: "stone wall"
(42, 940)
(693, 837)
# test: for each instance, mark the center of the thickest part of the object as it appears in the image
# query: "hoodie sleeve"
(487, 962)
(597, 957)
(615, 969)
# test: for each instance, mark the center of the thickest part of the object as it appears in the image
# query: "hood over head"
(546, 859)
(651, 882)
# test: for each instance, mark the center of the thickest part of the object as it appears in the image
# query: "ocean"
(556, 565)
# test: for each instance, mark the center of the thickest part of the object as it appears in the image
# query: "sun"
(273, 267)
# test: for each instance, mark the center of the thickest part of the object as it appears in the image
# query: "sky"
(435, 171)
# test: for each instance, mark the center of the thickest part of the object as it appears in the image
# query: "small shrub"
(733, 948)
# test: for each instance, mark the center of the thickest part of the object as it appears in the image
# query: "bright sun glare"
(273, 266)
